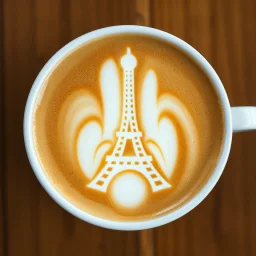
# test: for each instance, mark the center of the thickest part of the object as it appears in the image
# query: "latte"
(128, 127)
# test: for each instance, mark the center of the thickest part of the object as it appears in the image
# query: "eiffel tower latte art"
(123, 127)
(117, 162)
(140, 162)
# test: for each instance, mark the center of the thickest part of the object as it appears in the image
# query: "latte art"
(92, 129)
(129, 130)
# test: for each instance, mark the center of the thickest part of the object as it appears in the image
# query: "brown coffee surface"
(71, 106)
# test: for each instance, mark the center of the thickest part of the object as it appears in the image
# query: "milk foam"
(160, 129)
(89, 125)
(111, 98)
(173, 106)
(95, 139)
(128, 191)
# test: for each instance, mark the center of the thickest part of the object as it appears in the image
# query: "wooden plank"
(34, 30)
(225, 222)
(143, 12)
(249, 139)
(2, 163)
(147, 242)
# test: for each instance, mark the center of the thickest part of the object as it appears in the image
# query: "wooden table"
(31, 223)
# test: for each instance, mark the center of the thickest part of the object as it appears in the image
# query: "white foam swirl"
(160, 131)
(93, 124)
(111, 98)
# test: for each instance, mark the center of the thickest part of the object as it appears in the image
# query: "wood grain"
(2, 155)
(143, 12)
(31, 223)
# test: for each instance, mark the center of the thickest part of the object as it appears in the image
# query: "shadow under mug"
(235, 119)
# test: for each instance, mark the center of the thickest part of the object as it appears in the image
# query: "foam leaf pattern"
(159, 128)
(89, 126)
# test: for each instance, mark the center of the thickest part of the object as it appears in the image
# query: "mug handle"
(243, 118)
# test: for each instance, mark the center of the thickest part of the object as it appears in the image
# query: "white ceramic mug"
(235, 119)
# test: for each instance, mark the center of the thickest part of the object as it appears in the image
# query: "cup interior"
(136, 225)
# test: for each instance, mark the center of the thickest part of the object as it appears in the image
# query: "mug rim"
(127, 225)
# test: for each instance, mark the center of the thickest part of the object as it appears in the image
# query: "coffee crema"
(127, 127)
